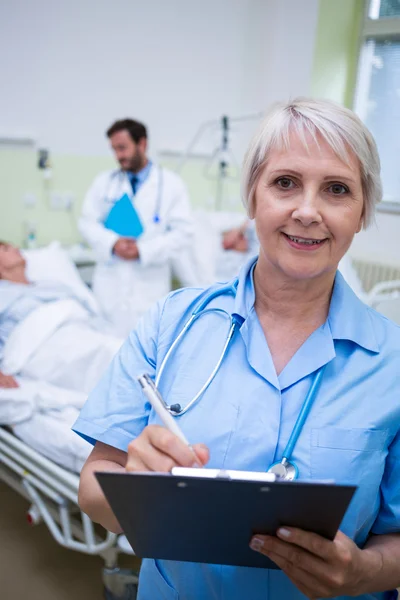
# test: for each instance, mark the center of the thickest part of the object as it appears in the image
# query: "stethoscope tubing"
(198, 311)
(302, 416)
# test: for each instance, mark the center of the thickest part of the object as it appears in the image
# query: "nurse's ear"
(361, 221)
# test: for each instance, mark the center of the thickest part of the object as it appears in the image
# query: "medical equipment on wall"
(222, 157)
(30, 235)
(44, 163)
(284, 469)
(160, 186)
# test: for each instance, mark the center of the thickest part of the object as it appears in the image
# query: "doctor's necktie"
(134, 183)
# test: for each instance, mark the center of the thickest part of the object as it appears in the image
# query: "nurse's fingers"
(202, 453)
(168, 443)
(158, 449)
(134, 463)
(152, 460)
(314, 543)
(289, 554)
(143, 456)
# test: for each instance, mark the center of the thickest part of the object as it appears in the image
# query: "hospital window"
(377, 98)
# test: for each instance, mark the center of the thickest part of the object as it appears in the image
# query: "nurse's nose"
(307, 209)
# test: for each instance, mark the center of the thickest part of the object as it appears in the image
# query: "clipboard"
(210, 518)
(123, 218)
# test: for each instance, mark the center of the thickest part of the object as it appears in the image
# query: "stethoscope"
(283, 469)
(160, 184)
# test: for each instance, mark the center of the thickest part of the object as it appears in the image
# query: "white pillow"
(52, 263)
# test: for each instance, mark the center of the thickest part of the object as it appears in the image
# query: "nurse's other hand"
(7, 381)
(157, 449)
(319, 568)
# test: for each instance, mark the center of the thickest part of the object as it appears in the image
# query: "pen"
(154, 397)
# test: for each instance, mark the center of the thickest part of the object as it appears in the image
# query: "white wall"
(72, 67)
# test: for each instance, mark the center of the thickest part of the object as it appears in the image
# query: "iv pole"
(222, 153)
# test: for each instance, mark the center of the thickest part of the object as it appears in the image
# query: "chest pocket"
(349, 455)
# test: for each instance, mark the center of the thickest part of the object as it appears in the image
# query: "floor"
(34, 567)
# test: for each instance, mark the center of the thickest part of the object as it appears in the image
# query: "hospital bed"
(40, 456)
(52, 492)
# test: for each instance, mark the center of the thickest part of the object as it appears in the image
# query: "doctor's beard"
(134, 164)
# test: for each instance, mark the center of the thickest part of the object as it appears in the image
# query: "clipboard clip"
(224, 474)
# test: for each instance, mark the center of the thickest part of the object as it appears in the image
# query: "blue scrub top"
(247, 414)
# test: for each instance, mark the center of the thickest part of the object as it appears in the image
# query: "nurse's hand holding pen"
(162, 448)
(158, 449)
(318, 567)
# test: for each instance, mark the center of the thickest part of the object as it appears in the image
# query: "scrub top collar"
(348, 319)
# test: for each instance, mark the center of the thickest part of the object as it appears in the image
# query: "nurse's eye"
(338, 189)
(285, 183)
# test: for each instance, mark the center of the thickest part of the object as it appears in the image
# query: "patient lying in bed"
(47, 331)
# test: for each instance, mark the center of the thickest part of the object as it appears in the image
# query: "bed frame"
(53, 494)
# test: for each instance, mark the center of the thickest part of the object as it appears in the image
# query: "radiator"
(372, 273)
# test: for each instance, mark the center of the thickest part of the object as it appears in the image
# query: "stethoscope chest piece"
(285, 471)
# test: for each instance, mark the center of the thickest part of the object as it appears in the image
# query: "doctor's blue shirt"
(246, 416)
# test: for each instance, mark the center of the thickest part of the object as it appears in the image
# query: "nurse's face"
(130, 155)
(10, 258)
(308, 207)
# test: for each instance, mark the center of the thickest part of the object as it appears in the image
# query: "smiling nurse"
(311, 181)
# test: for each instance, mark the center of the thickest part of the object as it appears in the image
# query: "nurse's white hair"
(338, 126)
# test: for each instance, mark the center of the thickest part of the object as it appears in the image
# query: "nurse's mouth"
(304, 243)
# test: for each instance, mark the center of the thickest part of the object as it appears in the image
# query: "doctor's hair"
(136, 130)
(336, 125)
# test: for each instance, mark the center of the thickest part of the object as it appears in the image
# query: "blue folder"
(124, 219)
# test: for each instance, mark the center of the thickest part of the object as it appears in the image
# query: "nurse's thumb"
(202, 453)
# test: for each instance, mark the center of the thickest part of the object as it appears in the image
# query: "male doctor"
(134, 269)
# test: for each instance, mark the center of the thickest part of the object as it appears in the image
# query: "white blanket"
(32, 397)
(57, 343)
(50, 434)
(35, 329)
(57, 356)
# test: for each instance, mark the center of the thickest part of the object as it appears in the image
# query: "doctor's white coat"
(125, 289)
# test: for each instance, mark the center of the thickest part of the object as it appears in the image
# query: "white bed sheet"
(50, 434)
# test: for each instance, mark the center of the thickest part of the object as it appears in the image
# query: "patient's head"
(11, 261)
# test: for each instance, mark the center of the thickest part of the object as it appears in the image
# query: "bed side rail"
(48, 485)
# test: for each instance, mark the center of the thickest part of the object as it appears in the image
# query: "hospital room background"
(200, 76)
